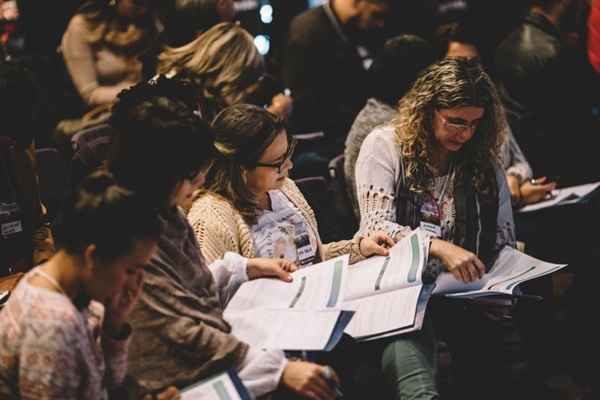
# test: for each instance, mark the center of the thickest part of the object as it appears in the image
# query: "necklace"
(51, 279)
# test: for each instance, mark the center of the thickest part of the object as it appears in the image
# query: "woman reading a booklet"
(180, 334)
(251, 207)
(65, 331)
(437, 167)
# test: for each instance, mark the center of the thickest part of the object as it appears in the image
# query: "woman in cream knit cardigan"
(252, 208)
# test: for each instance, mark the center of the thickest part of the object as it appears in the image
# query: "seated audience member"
(226, 65)
(64, 332)
(251, 207)
(519, 175)
(325, 65)
(180, 334)
(436, 166)
(442, 151)
(548, 85)
(102, 43)
(392, 74)
(189, 18)
(26, 238)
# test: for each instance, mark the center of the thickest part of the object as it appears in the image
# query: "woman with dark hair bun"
(64, 332)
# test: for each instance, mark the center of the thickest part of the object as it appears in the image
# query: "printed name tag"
(10, 228)
(433, 229)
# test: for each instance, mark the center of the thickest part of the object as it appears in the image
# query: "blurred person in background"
(102, 44)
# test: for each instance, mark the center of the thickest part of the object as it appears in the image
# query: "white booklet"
(300, 315)
(225, 386)
(568, 195)
(385, 292)
(510, 269)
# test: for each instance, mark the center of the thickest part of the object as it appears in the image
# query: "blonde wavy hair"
(121, 35)
(223, 62)
(451, 83)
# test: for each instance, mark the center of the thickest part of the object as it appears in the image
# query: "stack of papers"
(302, 315)
(378, 297)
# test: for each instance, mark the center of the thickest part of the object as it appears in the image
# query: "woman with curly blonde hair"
(225, 64)
(437, 166)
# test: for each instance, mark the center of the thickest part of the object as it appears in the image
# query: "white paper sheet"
(510, 269)
(284, 329)
(563, 196)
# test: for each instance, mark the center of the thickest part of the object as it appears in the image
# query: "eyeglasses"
(288, 155)
(457, 127)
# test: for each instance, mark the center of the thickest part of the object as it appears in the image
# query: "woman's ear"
(89, 255)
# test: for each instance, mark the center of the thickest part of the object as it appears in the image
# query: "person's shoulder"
(209, 209)
(311, 25)
(52, 315)
(384, 134)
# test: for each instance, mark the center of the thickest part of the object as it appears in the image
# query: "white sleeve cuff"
(261, 370)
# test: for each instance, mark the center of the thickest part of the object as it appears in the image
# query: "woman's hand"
(118, 308)
(377, 243)
(308, 380)
(281, 105)
(270, 267)
(170, 394)
(464, 265)
(514, 186)
(532, 193)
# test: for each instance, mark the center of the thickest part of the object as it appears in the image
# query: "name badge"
(433, 229)
(431, 218)
(11, 228)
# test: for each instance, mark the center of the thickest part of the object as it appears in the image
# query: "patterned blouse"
(377, 176)
(51, 350)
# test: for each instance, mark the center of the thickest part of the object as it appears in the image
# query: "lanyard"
(50, 279)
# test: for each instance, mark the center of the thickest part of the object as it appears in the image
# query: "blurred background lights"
(266, 14)
(262, 43)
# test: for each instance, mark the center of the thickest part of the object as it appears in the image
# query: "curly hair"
(155, 122)
(450, 83)
(243, 132)
(224, 63)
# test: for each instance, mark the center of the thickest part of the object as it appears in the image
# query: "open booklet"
(303, 314)
(380, 296)
(510, 269)
(568, 195)
(225, 386)
(385, 292)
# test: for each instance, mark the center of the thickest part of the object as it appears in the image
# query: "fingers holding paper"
(462, 264)
(270, 268)
(377, 243)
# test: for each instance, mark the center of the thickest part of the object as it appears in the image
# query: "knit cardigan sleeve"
(219, 228)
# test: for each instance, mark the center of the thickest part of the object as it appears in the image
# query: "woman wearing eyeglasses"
(439, 162)
(251, 207)
(436, 166)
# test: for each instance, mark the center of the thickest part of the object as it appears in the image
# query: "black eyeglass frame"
(288, 155)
